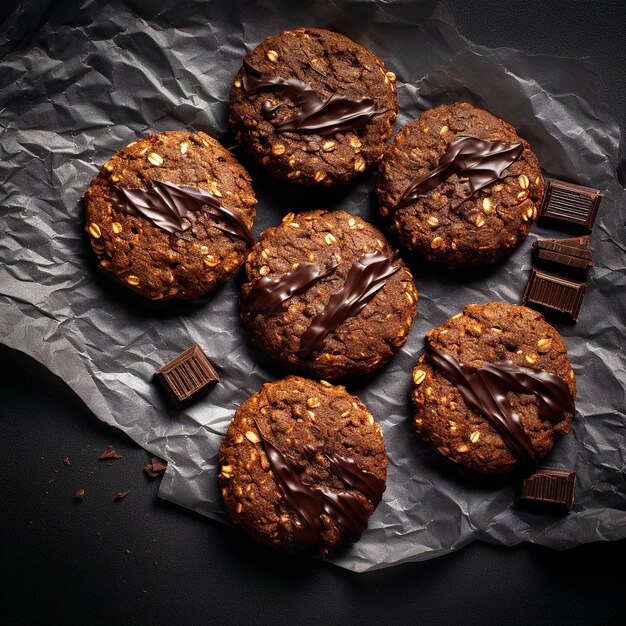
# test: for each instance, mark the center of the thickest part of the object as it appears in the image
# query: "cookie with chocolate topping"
(313, 107)
(169, 216)
(494, 389)
(460, 186)
(327, 295)
(302, 465)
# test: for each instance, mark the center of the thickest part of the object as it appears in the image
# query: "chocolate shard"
(555, 293)
(573, 253)
(156, 467)
(188, 376)
(549, 486)
(110, 453)
(572, 204)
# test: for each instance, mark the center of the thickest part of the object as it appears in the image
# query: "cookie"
(494, 390)
(313, 107)
(460, 186)
(327, 295)
(169, 216)
(302, 465)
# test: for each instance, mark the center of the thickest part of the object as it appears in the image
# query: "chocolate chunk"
(66, 461)
(549, 485)
(188, 376)
(120, 495)
(554, 292)
(79, 495)
(155, 468)
(572, 204)
(573, 253)
(110, 453)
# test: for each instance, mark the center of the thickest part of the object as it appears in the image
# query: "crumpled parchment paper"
(80, 80)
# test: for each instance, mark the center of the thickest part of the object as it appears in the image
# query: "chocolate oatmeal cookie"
(327, 295)
(302, 466)
(313, 107)
(460, 186)
(494, 389)
(169, 216)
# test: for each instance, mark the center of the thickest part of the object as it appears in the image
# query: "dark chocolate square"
(554, 292)
(549, 486)
(188, 376)
(572, 204)
(569, 254)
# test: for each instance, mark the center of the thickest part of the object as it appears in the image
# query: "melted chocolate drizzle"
(479, 161)
(166, 205)
(366, 278)
(310, 502)
(323, 117)
(268, 293)
(485, 389)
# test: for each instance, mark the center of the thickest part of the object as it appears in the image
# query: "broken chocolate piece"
(573, 204)
(155, 468)
(549, 485)
(110, 453)
(79, 495)
(554, 292)
(573, 253)
(188, 376)
(120, 495)
(66, 461)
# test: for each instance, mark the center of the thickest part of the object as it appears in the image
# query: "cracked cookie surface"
(330, 64)
(309, 423)
(488, 333)
(443, 224)
(332, 242)
(136, 253)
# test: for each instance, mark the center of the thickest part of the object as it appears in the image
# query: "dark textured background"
(65, 563)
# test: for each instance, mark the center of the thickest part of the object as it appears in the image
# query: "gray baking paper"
(79, 80)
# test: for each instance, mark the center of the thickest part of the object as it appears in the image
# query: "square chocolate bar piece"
(569, 254)
(188, 376)
(549, 485)
(554, 292)
(573, 204)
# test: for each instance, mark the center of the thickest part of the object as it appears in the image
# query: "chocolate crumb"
(156, 467)
(110, 453)
(120, 495)
(79, 495)
(66, 461)
(127, 551)
(55, 471)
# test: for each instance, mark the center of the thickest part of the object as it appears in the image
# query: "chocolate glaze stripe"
(310, 502)
(323, 117)
(268, 293)
(485, 390)
(365, 279)
(479, 161)
(167, 204)
(352, 475)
